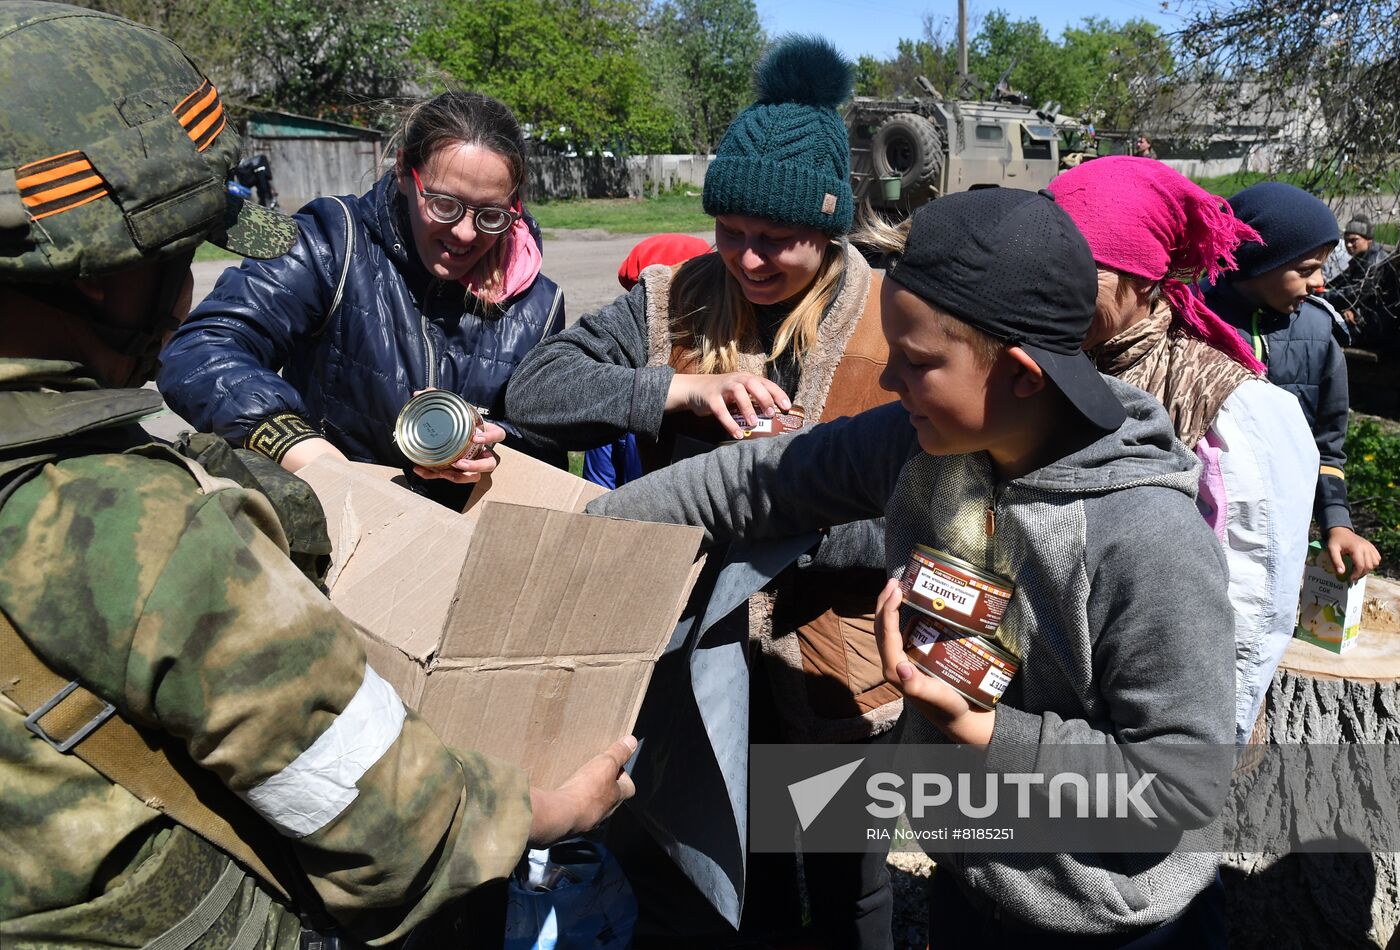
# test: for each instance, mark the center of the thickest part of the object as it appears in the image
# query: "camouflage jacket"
(180, 606)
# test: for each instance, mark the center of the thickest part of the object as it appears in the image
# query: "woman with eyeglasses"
(431, 280)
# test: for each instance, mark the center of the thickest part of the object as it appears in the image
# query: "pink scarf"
(520, 265)
(1142, 217)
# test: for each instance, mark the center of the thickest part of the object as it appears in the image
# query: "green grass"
(674, 212)
(576, 464)
(1227, 185)
(1373, 469)
(208, 252)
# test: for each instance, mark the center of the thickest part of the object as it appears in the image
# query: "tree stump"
(1308, 900)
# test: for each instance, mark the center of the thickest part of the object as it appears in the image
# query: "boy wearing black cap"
(1271, 302)
(1010, 451)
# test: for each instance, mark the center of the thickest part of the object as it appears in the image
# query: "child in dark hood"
(1271, 302)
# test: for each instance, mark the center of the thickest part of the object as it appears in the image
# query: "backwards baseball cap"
(1012, 264)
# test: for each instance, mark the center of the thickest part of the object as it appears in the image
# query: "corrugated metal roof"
(285, 125)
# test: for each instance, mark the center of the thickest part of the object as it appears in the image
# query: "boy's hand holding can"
(938, 702)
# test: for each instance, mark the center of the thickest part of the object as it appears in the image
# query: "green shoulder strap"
(73, 720)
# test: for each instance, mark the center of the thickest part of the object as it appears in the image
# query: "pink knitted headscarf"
(1144, 218)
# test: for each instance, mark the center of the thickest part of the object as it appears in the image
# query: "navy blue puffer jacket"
(348, 373)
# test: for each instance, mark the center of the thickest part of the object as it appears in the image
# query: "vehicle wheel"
(908, 146)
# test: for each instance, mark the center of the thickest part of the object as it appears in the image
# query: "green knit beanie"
(786, 157)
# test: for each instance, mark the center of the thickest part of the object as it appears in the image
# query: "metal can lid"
(954, 561)
(435, 428)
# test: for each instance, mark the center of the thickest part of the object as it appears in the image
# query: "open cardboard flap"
(522, 628)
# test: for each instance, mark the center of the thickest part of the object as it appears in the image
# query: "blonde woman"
(783, 315)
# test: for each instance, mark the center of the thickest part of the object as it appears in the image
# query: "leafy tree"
(1109, 68)
(934, 55)
(1322, 79)
(703, 53)
(212, 32)
(1097, 68)
(570, 69)
(333, 59)
(1020, 50)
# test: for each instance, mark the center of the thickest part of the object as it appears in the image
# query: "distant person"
(431, 280)
(783, 316)
(1149, 228)
(255, 172)
(618, 462)
(1143, 148)
(1358, 281)
(1270, 302)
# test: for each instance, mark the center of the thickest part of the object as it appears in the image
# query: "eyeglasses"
(445, 209)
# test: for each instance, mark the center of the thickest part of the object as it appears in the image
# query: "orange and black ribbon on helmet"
(202, 115)
(58, 183)
(68, 180)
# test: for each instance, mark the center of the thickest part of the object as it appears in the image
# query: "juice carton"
(1329, 611)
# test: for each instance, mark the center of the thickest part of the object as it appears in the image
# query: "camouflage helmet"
(115, 150)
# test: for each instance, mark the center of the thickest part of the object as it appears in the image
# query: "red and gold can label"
(955, 591)
(780, 424)
(972, 665)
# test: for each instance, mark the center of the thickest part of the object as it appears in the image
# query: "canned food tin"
(974, 666)
(780, 424)
(955, 591)
(435, 429)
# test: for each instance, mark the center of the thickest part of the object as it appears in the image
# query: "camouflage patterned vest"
(175, 890)
(40, 428)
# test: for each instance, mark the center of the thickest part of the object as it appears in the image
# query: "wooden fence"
(306, 168)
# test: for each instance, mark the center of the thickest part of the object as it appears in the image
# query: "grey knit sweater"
(1121, 614)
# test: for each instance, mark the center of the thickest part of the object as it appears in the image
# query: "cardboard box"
(521, 627)
(1329, 611)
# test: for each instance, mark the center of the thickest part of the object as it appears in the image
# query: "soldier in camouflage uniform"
(129, 569)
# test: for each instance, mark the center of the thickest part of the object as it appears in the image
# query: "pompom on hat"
(1144, 218)
(786, 157)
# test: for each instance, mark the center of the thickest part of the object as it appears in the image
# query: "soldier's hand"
(585, 799)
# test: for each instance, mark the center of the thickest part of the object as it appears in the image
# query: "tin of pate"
(973, 665)
(955, 591)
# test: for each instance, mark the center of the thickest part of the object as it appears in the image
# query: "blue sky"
(873, 27)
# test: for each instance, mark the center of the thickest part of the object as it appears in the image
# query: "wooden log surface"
(1313, 900)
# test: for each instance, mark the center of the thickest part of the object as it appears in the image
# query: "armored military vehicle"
(908, 150)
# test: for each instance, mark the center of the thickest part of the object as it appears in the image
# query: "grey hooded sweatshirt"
(1121, 615)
